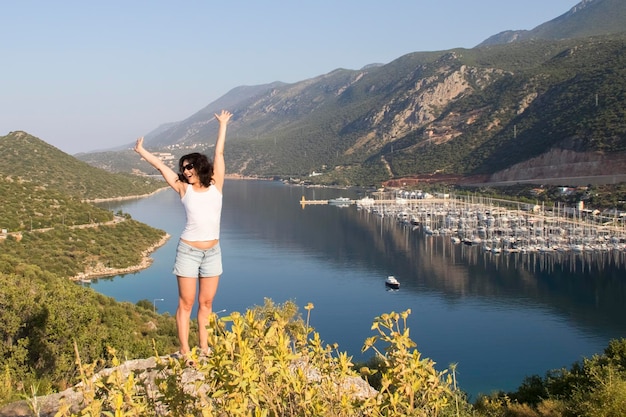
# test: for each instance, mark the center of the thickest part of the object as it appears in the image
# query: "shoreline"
(100, 271)
(126, 197)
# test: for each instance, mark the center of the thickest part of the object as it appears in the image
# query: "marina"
(498, 225)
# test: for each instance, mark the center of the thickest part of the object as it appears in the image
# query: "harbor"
(497, 225)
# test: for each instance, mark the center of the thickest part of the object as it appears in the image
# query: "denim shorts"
(193, 262)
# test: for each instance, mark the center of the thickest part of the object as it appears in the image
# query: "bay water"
(498, 318)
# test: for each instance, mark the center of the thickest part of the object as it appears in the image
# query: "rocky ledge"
(147, 371)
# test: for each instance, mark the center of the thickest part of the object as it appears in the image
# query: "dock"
(304, 201)
(394, 201)
(341, 202)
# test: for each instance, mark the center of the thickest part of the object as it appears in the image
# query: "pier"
(304, 202)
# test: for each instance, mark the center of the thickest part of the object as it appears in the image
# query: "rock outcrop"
(147, 371)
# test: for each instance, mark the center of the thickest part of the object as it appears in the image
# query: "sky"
(91, 75)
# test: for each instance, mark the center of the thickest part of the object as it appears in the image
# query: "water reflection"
(588, 287)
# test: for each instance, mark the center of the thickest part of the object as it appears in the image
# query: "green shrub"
(269, 362)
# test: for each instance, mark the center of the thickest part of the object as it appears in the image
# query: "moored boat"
(392, 282)
(340, 201)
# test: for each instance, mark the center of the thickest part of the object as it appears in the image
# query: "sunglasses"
(187, 167)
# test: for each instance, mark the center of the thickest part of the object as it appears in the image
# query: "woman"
(198, 257)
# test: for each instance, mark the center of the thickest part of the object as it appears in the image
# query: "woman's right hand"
(139, 145)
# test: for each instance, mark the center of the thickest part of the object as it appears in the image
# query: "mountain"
(587, 18)
(31, 159)
(498, 112)
(181, 134)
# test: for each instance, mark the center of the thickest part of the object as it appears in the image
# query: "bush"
(269, 362)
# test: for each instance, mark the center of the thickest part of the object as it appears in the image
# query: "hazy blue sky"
(87, 75)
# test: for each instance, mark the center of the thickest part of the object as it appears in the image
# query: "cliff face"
(577, 168)
(419, 102)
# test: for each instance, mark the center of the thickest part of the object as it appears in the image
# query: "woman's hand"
(224, 116)
(139, 145)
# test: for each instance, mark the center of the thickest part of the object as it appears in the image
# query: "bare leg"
(208, 289)
(186, 298)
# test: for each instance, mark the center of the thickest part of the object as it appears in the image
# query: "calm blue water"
(500, 318)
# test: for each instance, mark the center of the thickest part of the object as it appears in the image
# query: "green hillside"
(28, 206)
(31, 159)
(579, 104)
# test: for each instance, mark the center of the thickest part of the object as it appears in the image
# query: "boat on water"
(340, 200)
(392, 282)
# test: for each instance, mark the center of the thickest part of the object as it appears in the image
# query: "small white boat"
(392, 282)
(340, 201)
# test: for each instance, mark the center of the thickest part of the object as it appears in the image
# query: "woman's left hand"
(224, 116)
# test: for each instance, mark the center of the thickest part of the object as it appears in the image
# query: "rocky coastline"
(99, 270)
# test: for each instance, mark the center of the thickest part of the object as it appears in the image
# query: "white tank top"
(203, 210)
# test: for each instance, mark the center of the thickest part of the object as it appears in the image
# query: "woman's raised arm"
(168, 174)
(219, 167)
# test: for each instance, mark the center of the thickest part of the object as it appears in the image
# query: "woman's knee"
(206, 303)
(185, 305)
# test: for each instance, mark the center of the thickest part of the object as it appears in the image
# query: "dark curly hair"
(202, 165)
